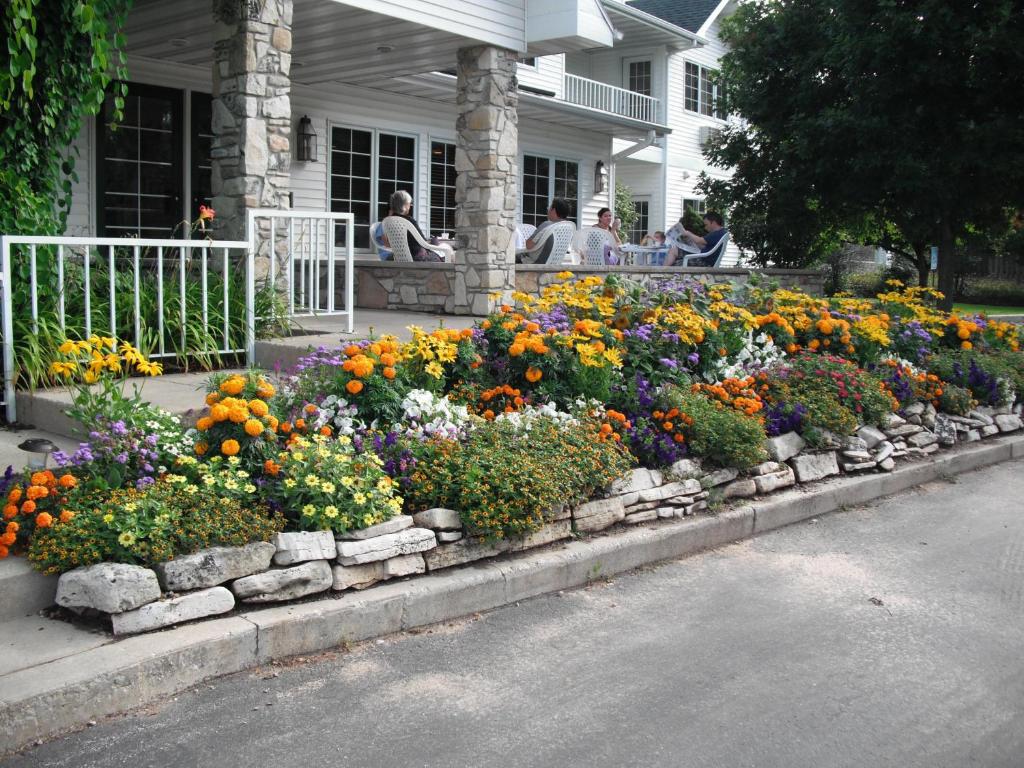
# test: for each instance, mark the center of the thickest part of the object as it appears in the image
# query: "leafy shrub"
(148, 526)
(955, 400)
(505, 478)
(992, 290)
(989, 380)
(724, 434)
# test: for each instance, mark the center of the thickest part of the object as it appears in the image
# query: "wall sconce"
(600, 178)
(305, 151)
(40, 449)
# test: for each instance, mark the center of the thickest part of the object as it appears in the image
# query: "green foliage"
(989, 378)
(724, 435)
(848, 115)
(624, 206)
(956, 400)
(991, 290)
(148, 526)
(505, 481)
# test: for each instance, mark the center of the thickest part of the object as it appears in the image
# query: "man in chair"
(557, 213)
(715, 232)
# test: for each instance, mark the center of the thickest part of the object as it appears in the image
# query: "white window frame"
(430, 177)
(704, 74)
(642, 199)
(627, 62)
(374, 167)
(552, 159)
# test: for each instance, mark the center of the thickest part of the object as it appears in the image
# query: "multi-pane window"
(696, 205)
(638, 77)
(703, 92)
(639, 230)
(140, 175)
(366, 168)
(442, 187)
(545, 178)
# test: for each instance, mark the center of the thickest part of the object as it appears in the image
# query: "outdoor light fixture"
(38, 447)
(600, 178)
(306, 148)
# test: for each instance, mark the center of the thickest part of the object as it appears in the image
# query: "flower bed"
(385, 458)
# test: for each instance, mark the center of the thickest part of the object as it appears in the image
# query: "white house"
(408, 96)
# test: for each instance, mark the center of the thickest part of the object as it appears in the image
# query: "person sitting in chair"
(715, 232)
(557, 213)
(400, 204)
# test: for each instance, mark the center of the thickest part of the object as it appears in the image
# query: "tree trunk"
(923, 262)
(947, 264)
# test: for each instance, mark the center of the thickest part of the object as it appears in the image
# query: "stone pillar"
(251, 111)
(487, 143)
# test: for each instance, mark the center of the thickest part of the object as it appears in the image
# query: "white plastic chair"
(395, 230)
(715, 254)
(592, 243)
(561, 235)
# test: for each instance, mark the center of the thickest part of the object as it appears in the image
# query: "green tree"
(904, 112)
(625, 209)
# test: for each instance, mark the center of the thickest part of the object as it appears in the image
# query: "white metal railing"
(303, 261)
(608, 98)
(100, 283)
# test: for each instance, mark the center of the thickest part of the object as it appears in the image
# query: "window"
(694, 204)
(638, 77)
(442, 187)
(529, 62)
(140, 179)
(367, 167)
(702, 91)
(202, 136)
(640, 228)
(545, 178)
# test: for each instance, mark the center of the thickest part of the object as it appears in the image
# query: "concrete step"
(25, 592)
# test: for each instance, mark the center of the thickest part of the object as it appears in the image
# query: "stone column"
(487, 142)
(251, 111)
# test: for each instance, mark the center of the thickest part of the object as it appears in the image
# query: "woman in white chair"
(400, 204)
(606, 221)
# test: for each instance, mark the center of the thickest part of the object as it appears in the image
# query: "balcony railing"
(608, 98)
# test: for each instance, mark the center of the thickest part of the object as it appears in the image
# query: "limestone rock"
(775, 480)
(637, 480)
(284, 583)
(814, 466)
(685, 468)
(464, 551)
(404, 565)
(693, 509)
(894, 421)
(921, 439)
(945, 430)
(613, 506)
(989, 430)
(784, 447)
(856, 455)
(385, 547)
(551, 532)
(973, 436)
(447, 537)
(903, 430)
(108, 587)
(871, 436)
(163, 613)
(641, 517)
(719, 477)
(854, 443)
(438, 519)
(357, 576)
(302, 546)
(388, 527)
(739, 489)
(766, 468)
(858, 466)
(884, 451)
(887, 464)
(669, 490)
(1008, 422)
(914, 409)
(982, 416)
(210, 567)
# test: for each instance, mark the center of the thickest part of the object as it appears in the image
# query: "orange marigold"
(219, 412)
(213, 398)
(232, 385)
(354, 387)
(44, 520)
(533, 375)
(67, 481)
(230, 447)
(66, 515)
(258, 408)
(200, 448)
(15, 496)
(204, 423)
(8, 539)
(389, 373)
(254, 428)
(28, 507)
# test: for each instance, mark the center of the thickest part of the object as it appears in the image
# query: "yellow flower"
(308, 510)
(63, 369)
(289, 483)
(312, 481)
(330, 511)
(328, 487)
(613, 356)
(348, 482)
(434, 369)
(359, 498)
(108, 518)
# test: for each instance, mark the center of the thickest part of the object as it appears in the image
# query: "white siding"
(497, 22)
(644, 180)
(81, 220)
(548, 75)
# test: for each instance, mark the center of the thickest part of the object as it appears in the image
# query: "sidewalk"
(57, 677)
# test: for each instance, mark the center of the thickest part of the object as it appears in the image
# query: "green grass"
(988, 309)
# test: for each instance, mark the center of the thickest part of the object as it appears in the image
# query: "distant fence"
(1004, 268)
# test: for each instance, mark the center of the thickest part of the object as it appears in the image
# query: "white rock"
(1008, 422)
(775, 480)
(973, 436)
(921, 439)
(982, 416)
(989, 430)
(719, 477)
(914, 409)
(685, 468)
(903, 430)
(914, 420)
(854, 443)
(284, 583)
(637, 480)
(447, 537)
(641, 517)
(213, 566)
(859, 466)
(814, 466)
(856, 455)
(385, 547)
(667, 491)
(887, 464)
(107, 587)
(739, 489)
(885, 450)
(394, 525)
(945, 430)
(613, 505)
(893, 421)
(163, 613)
(785, 446)
(404, 565)
(302, 546)
(438, 519)
(357, 576)
(871, 436)
(666, 512)
(766, 468)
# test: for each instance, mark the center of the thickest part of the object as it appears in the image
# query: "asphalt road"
(888, 635)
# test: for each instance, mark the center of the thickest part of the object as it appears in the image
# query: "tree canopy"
(893, 111)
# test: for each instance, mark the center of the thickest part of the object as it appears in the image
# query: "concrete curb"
(45, 700)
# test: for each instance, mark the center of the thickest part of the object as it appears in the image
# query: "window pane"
(350, 181)
(442, 188)
(707, 95)
(567, 185)
(641, 227)
(639, 80)
(691, 87)
(536, 196)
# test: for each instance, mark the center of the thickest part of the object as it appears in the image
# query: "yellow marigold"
(253, 428)
(219, 412)
(238, 413)
(213, 398)
(230, 447)
(258, 408)
(232, 385)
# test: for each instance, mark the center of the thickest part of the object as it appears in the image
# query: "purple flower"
(693, 358)
(669, 363)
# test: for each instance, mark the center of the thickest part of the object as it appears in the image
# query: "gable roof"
(688, 14)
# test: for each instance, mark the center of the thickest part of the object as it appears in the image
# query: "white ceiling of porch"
(330, 41)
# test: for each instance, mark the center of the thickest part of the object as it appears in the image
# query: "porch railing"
(608, 98)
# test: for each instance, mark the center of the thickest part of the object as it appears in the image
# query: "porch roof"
(641, 28)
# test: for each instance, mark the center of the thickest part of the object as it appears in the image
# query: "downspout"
(652, 137)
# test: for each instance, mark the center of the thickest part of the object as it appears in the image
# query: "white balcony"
(608, 98)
